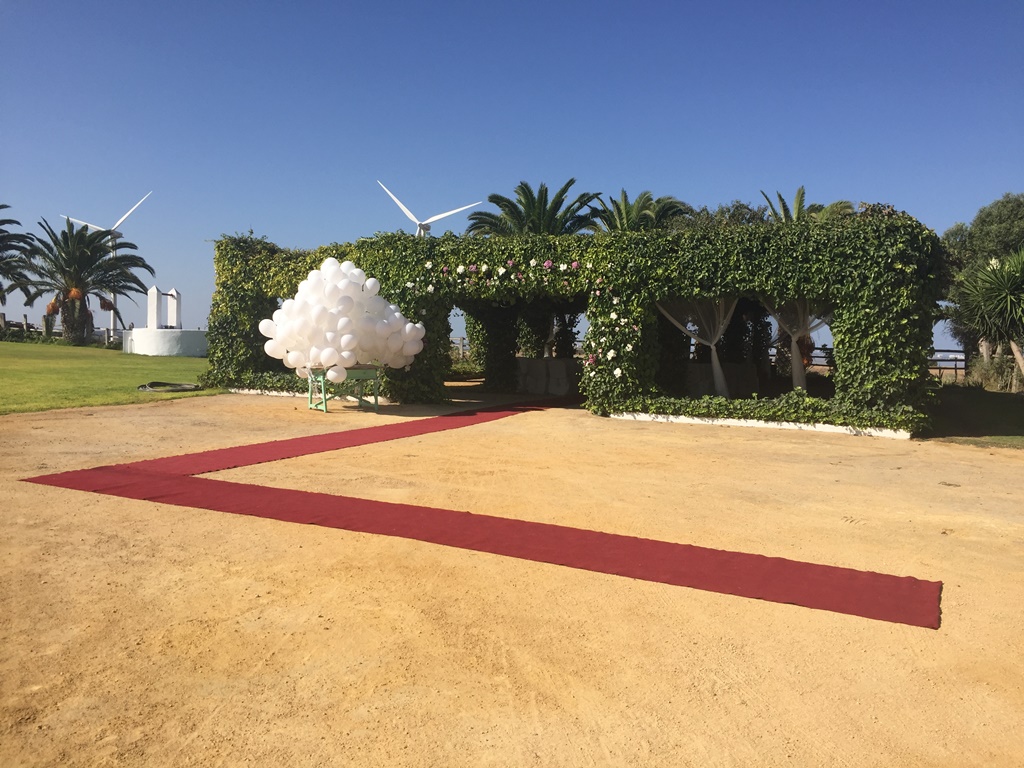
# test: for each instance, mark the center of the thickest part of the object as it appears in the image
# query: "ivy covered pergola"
(875, 274)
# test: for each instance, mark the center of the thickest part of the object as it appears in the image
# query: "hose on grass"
(166, 386)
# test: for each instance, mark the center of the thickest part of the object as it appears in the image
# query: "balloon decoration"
(337, 320)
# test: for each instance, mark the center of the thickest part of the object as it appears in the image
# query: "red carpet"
(171, 480)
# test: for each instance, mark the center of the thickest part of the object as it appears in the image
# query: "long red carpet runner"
(173, 480)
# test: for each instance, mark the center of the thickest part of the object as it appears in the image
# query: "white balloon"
(338, 319)
(337, 375)
(366, 326)
(268, 328)
(302, 372)
(330, 268)
(290, 334)
(394, 324)
(371, 346)
(300, 307)
(302, 328)
(329, 357)
(274, 348)
(320, 315)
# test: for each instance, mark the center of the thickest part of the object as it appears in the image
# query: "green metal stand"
(318, 389)
(363, 375)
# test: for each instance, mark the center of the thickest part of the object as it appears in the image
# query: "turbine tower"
(114, 237)
(423, 227)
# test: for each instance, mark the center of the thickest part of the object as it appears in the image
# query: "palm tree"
(643, 214)
(78, 263)
(534, 213)
(992, 301)
(784, 214)
(12, 258)
(837, 209)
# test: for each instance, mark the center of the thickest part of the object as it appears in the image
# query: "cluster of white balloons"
(338, 320)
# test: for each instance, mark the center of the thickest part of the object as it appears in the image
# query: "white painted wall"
(164, 342)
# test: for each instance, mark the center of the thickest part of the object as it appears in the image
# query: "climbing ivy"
(878, 270)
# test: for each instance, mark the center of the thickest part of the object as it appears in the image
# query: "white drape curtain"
(796, 319)
(711, 316)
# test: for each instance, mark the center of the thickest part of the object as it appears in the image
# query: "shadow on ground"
(973, 415)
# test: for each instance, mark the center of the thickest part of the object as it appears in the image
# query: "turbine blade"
(83, 223)
(121, 220)
(405, 210)
(432, 219)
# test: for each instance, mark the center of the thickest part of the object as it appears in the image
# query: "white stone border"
(892, 434)
(271, 393)
(267, 392)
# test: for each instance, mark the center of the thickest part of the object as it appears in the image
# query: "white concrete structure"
(164, 339)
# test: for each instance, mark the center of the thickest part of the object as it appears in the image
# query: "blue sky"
(279, 117)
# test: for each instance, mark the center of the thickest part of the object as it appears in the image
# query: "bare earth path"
(142, 634)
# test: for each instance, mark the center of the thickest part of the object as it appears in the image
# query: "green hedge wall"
(877, 269)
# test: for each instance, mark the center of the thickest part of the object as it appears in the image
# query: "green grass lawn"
(43, 377)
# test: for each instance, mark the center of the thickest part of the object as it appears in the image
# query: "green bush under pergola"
(877, 273)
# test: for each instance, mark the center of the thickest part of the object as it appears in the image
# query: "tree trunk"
(797, 364)
(1017, 356)
(74, 319)
(985, 347)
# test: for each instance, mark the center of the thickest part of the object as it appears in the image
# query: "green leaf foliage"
(878, 270)
(992, 298)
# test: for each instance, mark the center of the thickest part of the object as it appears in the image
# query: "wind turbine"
(113, 230)
(114, 237)
(423, 227)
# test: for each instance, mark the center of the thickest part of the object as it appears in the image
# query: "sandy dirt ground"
(143, 634)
